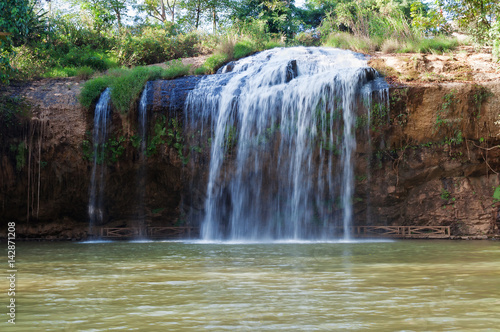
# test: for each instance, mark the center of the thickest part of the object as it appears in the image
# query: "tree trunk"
(214, 18)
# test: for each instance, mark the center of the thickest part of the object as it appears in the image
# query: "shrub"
(390, 45)
(28, 63)
(306, 39)
(84, 73)
(154, 46)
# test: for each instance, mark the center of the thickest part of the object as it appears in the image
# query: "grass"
(83, 73)
(230, 50)
(348, 41)
(127, 84)
(213, 63)
(437, 44)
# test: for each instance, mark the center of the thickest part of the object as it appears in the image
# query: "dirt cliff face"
(436, 160)
(432, 159)
(46, 163)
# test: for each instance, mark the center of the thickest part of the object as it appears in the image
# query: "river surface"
(189, 286)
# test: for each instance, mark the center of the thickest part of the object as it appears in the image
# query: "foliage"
(494, 35)
(127, 84)
(429, 20)
(242, 49)
(155, 45)
(6, 70)
(213, 63)
(496, 194)
(103, 13)
(445, 194)
(279, 16)
(23, 20)
(67, 48)
(348, 41)
(169, 132)
(475, 17)
(92, 89)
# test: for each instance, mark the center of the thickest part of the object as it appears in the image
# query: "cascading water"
(141, 172)
(282, 128)
(97, 180)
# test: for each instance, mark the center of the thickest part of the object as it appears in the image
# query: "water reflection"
(175, 286)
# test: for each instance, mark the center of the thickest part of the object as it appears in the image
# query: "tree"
(160, 9)
(104, 13)
(195, 10)
(280, 15)
(22, 19)
(474, 16)
(21, 22)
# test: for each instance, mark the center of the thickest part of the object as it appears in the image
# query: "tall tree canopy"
(475, 16)
(281, 16)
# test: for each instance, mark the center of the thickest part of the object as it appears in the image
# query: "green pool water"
(189, 286)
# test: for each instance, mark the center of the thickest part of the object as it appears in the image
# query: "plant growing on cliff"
(479, 95)
(20, 154)
(167, 132)
(127, 84)
(445, 194)
(496, 195)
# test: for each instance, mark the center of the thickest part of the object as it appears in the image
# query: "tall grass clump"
(360, 27)
(92, 89)
(244, 38)
(127, 84)
(436, 44)
(349, 41)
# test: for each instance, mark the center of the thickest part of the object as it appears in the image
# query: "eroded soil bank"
(432, 158)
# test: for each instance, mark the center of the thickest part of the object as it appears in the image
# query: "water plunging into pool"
(282, 136)
(97, 180)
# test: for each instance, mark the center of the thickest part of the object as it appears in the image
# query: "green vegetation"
(92, 37)
(169, 132)
(496, 194)
(127, 84)
(20, 152)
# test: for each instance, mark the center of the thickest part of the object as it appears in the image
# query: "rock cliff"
(432, 158)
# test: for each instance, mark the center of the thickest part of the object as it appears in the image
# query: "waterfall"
(141, 172)
(97, 180)
(282, 138)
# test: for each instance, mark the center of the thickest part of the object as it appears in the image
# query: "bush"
(86, 57)
(84, 73)
(390, 46)
(155, 46)
(306, 39)
(41, 60)
(28, 63)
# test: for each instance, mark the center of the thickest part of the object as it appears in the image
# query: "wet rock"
(291, 71)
